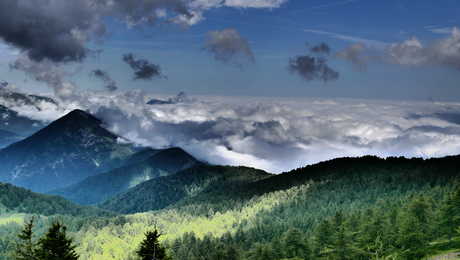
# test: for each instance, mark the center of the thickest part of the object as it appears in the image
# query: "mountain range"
(110, 192)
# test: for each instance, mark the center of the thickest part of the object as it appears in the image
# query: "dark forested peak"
(81, 117)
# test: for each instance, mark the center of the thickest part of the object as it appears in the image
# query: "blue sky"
(275, 35)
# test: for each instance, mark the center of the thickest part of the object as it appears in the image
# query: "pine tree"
(150, 248)
(413, 237)
(26, 248)
(450, 213)
(294, 244)
(323, 237)
(55, 245)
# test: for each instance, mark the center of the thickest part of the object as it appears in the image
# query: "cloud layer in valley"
(277, 135)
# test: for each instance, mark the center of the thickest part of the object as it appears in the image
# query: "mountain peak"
(65, 152)
(79, 115)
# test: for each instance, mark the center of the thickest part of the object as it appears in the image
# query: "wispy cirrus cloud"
(349, 38)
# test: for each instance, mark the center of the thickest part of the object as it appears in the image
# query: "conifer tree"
(55, 245)
(26, 248)
(450, 214)
(150, 248)
(413, 237)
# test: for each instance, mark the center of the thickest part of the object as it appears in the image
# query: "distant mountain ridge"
(20, 126)
(98, 188)
(193, 185)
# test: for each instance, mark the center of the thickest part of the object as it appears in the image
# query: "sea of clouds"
(271, 133)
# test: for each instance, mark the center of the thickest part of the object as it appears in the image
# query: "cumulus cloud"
(312, 68)
(110, 84)
(412, 52)
(52, 29)
(143, 69)
(409, 52)
(355, 54)
(228, 46)
(444, 52)
(47, 72)
(321, 48)
(59, 30)
(3, 84)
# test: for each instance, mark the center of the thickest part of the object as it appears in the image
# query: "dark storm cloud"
(312, 68)
(321, 48)
(51, 29)
(110, 84)
(143, 69)
(228, 46)
(58, 30)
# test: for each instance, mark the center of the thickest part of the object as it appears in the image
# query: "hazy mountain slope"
(7, 138)
(101, 187)
(193, 184)
(66, 151)
(19, 200)
(12, 122)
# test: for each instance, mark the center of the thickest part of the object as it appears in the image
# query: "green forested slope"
(18, 200)
(201, 184)
(350, 208)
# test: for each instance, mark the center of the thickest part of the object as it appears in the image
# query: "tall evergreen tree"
(294, 244)
(450, 214)
(150, 248)
(413, 237)
(26, 248)
(55, 245)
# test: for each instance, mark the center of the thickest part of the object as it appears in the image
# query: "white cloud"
(272, 134)
(444, 52)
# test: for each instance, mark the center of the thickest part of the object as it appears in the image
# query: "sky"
(267, 35)
(271, 84)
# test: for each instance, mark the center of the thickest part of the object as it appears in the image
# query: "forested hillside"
(203, 184)
(18, 200)
(350, 208)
